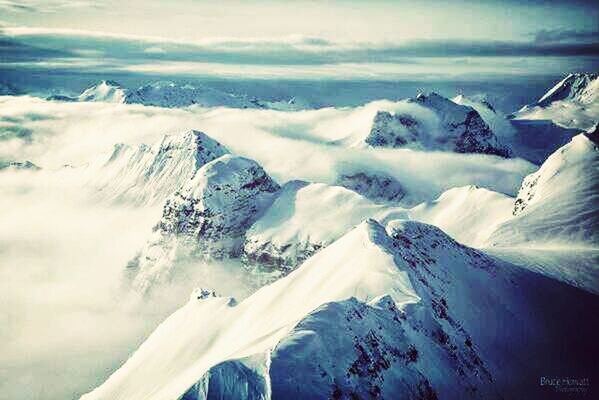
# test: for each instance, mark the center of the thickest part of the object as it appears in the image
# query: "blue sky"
(303, 39)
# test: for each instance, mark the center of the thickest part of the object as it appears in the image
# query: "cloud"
(62, 259)
(45, 6)
(566, 36)
(154, 50)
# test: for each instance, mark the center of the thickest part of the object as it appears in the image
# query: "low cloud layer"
(292, 55)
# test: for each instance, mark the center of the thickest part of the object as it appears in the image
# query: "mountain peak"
(580, 87)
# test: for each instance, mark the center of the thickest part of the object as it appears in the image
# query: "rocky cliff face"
(377, 187)
(208, 217)
(460, 129)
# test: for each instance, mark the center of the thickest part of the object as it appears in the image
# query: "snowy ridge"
(572, 103)
(170, 94)
(105, 91)
(147, 174)
(305, 218)
(460, 129)
(207, 218)
(174, 95)
(559, 203)
(583, 88)
(469, 214)
(424, 337)
(196, 341)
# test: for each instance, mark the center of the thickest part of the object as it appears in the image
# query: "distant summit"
(173, 95)
(460, 129)
(583, 88)
(105, 91)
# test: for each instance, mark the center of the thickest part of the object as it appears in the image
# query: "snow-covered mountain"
(148, 174)
(559, 204)
(468, 214)
(458, 128)
(172, 95)
(581, 88)
(305, 218)
(572, 103)
(207, 218)
(105, 91)
(380, 313)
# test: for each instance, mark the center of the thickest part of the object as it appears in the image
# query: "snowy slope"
(455, 322)
(207, 218)
(170, 94)
(582, 88)
(559, 204)
(468, 214)
(148, 174)
(572, 103)
(305, 218)
(104, 91)
(459, 128)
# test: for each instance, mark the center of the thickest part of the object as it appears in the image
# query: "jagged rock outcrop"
(18, 165)
(207, 218)
(377, 187)
(461, 129)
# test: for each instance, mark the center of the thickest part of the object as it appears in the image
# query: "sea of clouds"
(66, 316)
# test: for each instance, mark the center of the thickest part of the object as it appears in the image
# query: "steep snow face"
(206, 332)
(583, 88)
(572, 103)
(170, 94)
(558, 204)
(105, 91)
(146, 175)
(305, 218)
(380, 312)
(207, 218)
(461, 129)
(469, 214)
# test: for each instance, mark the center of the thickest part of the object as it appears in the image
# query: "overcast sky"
(301, 38)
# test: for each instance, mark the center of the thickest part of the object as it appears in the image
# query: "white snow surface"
(146, 174)
(207, 332)
(468, 214)
(440, 295)
(104, 91)
(559, 204)
(306, 217)
(572, 103)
